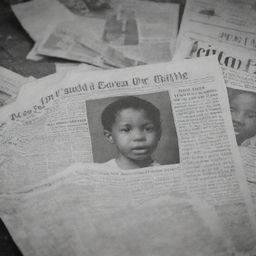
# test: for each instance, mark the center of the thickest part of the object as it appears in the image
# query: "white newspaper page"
(10, 84)
(243, 112)
(241, 89)
(65, 42)
(66, 66)
(33, 55)
(227, 29)
(229, 21)
(36, 15)
(178, 114)
(230, 56)
(86, 210)
(222, 28)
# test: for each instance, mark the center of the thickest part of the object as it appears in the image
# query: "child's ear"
(108, 136)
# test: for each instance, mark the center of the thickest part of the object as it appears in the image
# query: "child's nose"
(138, 135)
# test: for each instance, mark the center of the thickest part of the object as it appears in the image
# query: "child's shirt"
(250, 142)
(112, 164)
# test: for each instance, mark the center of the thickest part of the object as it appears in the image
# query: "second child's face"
(243, 112)
(135, 136)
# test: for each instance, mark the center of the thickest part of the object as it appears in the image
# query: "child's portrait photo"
(130, 132)
(243, 112)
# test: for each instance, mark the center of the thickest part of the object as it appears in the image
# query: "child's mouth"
(140, 150)
(236, 129)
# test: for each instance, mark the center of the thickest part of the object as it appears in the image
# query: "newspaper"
(33, 55)
(112, 214)
(65, 42)
(243, 115)
(131, 32)
(56, 121)
(10, 83)
(241, 89)
(223, 28)
(66, 66)
(229, 21)
(230, 56)
(142, 30)
(35, 16)
(227, 29)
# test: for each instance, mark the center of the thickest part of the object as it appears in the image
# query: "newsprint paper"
(227, 29)
(88, 210)
(123, 33)
(103, 203)
(10, 84)
(222, 28)
(241, 88)
(129, 33)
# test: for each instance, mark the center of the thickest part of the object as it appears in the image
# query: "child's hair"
(109, 114)
(233, 93)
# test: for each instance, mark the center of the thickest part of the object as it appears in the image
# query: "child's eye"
(149, 129)
(126, 129)
(251, 115)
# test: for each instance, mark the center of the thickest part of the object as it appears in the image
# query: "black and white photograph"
(243, 113)
(133, 131)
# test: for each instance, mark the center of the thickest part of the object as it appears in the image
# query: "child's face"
(243, 111)
(135, 136)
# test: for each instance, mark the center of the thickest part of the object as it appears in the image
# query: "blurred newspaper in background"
(121, 33)
(55, 122)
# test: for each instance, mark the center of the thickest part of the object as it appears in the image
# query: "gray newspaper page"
(222, 28)
(86, 210)
(227, 29)
(187, 149)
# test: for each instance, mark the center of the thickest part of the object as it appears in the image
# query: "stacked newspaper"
(53, 205)
(119, 34)
(72, 182)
